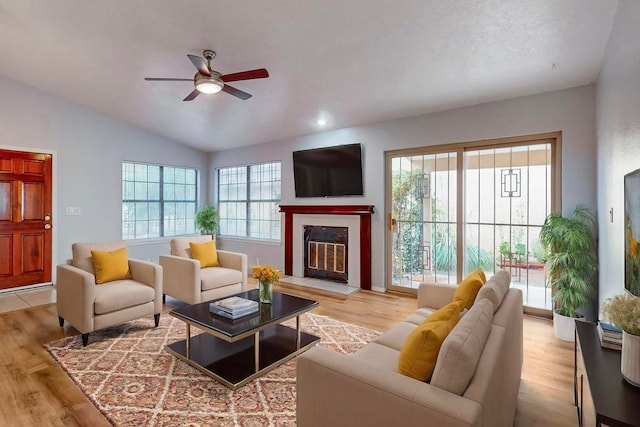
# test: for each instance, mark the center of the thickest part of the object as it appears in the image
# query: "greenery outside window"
(158, 201)
(248, 199)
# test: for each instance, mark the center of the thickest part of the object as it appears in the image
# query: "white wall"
(571, 111)
(618, 139)
(88, 152)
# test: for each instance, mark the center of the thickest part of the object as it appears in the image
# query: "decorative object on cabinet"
(624, 311)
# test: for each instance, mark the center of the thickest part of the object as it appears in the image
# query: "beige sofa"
(475, 382)
(186, 281)
(89, 307)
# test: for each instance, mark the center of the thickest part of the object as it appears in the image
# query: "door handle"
(47, 226)
(391, 222)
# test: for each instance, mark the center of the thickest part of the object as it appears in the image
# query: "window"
(158, 200)
(480, 204)
(248, 198)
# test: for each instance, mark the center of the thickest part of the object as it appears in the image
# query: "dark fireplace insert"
(325, 253)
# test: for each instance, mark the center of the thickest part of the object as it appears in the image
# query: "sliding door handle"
(391, 222)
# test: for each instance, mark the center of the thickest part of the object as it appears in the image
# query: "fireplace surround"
(364, 213)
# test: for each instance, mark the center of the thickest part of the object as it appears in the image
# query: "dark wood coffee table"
(235, 352)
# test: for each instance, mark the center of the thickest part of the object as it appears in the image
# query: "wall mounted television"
(632, 232)
(329, 171)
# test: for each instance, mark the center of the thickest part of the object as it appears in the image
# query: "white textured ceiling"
(351, 61)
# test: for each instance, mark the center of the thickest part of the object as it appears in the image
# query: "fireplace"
(326, 253)
(359, 219)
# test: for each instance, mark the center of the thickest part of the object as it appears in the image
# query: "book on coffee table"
(231, 316)
(233, 307)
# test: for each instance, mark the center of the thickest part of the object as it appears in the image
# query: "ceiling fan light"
(209, 86)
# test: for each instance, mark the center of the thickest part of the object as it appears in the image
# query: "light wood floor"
(34, 391)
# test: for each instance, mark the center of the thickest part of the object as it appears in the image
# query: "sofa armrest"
(151, 275)
(181, 278)
(236, 261)
(336, 390)
(435, 295)
(75, 295)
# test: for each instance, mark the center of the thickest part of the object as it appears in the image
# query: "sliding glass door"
(423, 221)
(488, 198)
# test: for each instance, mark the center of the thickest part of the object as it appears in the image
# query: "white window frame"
(129, 219)
(247, 204)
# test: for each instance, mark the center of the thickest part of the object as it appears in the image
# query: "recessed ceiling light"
(321, 122)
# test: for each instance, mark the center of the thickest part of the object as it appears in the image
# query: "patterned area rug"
(133, 381)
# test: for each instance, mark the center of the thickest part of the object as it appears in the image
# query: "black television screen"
(328, 172)
(632, 232)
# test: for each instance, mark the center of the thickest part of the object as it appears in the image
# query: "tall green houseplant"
(570, 260)
(207, 219)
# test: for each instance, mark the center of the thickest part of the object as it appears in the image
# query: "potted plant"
(571, 266)
(207, 220)
(505, 250)
(624, 311)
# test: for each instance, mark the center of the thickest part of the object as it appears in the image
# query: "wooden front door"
(25, 218)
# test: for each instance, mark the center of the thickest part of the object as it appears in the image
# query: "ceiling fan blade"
(260, 73)
(162, 79)
(199, 63)
(192, 95)
(236, 92)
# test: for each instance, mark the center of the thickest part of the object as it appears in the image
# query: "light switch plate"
(73, 210)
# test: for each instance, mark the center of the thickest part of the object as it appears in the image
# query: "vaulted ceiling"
(349, 62)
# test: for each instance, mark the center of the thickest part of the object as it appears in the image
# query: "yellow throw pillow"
(483, 278)
(419, 352)
(110, 266)
(205, 253)
(469, 287)
(444, 312)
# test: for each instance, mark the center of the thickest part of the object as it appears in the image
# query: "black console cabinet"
(601, 395)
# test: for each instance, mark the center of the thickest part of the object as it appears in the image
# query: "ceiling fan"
(207, 80)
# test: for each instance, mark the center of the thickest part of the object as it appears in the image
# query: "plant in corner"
(571, 265)
(207, 219)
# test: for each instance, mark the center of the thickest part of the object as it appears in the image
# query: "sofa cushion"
(462, 348)
(180, 245)
(217, 277)
(205, 253)
(382, 357)
(81, 253)
(396, 336)
(419, 316)
(121, 294)
(503, 280)
(111, 265)
(495, 289)
(469, 287)
(419, 352)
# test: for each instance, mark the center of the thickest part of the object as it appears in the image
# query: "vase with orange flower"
(266, 276)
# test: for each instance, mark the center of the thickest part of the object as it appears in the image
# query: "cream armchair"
(184, 280)
(89, 307)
